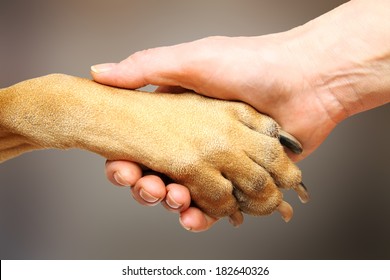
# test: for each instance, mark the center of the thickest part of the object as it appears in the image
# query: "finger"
(123, 173)
(178, 198)
(195, 220)
(146, 171)
(149, 190)
(158, 66)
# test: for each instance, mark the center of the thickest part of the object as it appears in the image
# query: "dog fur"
(225, 152)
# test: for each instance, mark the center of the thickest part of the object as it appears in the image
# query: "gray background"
(56, 204)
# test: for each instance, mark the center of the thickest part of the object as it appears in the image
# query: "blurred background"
(59, 205)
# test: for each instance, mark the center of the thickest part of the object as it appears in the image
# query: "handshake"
(229, 156)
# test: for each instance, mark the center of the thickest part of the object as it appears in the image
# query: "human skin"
(309, 79)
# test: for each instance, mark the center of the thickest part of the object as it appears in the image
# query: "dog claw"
(236, 219)
(285, 210)
(303, 194)
(289, 141)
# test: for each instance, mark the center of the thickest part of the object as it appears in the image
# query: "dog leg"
(227, 154)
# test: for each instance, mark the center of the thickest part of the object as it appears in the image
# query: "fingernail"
(183, 225)
(119, 179)
(101, 68)
(147, 196)
(172, 203)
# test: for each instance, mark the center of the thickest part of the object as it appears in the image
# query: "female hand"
(308, 79)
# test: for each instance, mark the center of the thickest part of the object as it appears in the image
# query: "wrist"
(348, 57)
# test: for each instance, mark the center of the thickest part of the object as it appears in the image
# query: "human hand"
(206, 72)
(149, 189)
(261, 71)
(308, 79)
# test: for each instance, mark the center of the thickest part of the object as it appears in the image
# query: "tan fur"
(226, 153)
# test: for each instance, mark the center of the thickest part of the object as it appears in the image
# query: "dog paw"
(233, 159)
(229, 156)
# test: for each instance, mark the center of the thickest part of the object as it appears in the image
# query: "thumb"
(158, 66)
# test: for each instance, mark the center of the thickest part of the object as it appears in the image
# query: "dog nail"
(147, 196)
(101, 68)
(172, 203)
(303, 194)
(119, 179)
(231, 221)
(290, 142)
(236, 219)
(285, 210)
